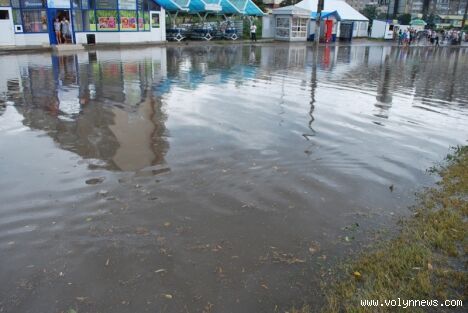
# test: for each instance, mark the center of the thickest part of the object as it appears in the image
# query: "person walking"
(58, 35)
(253, 32)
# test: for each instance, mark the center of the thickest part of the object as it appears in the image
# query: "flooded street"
(211, 178)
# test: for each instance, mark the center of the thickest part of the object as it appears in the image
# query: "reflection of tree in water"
(123, 126)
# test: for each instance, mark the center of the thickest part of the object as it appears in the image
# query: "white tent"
(344, 10)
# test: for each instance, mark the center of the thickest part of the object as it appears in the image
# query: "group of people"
(62, 30)
(409, 36)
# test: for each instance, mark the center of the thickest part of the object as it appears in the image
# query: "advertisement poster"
(128, 23)
(155, 20)
(107, 23)
(141, 23)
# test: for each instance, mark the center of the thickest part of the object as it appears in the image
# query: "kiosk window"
(4, 15)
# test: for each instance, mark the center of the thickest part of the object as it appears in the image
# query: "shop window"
(89, 20)
(299, 27)
(282, 26)
(106, 4)
(17, 17)
(33, 4)
(15, 3)
(4, 3)
(35, 21)
(4, 15)
(75, 4)
(78, 20)
(146, 20)
(85, 4)
(128, 20)
(127, 4)
(107, 20)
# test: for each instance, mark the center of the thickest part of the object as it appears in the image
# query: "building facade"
(33, 22)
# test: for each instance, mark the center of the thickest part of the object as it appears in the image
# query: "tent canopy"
(344, 10)
(325, 15)
(242, 7)
(418, 22)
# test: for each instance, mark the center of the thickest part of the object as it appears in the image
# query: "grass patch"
(427, 259)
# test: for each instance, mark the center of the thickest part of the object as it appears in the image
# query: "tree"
(404, 19)
(370, 11)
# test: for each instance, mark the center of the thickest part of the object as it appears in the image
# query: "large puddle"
(210, 179)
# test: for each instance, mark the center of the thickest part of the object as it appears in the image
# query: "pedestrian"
(65, 30)
(400, 37)
(58, 35)
(253, 32)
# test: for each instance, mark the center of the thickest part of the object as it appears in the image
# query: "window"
(17, 17)
(84, 4)
(4, 15)
(35, 21)
(282, 26)
(106, 4)
(33, 4)
(107, 20)
(77, 20)
(89, 20)
(299, 27)
(4, 3)
(128, 20)
(127, 4)
(15, 3)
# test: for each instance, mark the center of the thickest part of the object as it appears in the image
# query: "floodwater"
(211, 178)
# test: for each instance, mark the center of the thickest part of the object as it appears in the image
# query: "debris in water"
(94, 181)
(391, 188)
(161, 270)
(107, 262)
(167, 296)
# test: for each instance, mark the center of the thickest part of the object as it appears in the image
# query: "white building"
(349, 17)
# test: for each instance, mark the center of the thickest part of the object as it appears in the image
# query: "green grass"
(426, 260)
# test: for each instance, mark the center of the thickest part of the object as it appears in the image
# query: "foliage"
(404, 19)
(370, 11)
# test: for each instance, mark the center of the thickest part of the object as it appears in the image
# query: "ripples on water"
(204, 172)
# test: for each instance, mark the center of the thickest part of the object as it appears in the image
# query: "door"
(67, 36)
(6, 28)
(156, 26)
(328, 33)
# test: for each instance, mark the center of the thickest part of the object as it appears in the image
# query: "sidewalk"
(354, 42)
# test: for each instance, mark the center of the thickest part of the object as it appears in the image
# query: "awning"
(242, 7)
(313, 15)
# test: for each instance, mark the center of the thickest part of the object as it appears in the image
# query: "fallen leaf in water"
(264, 286)
(71, 311)
(429, 266)
(167, 296)
(357, 275)
(81, 298)
(161, 270)
(142, 231)
(167, 224)
(107, 262)
(94, 181)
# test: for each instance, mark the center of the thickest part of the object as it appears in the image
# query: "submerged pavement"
(210, 178)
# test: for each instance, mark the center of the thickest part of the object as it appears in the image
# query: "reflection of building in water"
(98, 107)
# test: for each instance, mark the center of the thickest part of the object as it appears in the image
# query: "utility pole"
(317, 21)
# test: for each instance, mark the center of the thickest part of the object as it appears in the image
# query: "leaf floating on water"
(161, 270)
(264, 286)
(71, 311)
(429, 266)
(357, 275)
(167, 224)
(167, 296)
(81, 298)
(107, 262)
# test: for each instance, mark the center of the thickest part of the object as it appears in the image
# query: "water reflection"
(265, 150)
